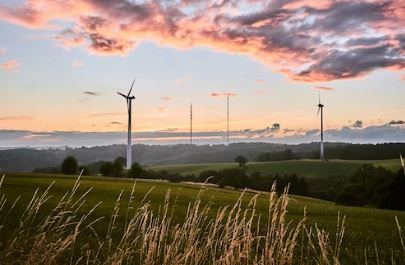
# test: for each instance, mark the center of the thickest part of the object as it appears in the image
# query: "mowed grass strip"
(364, 226)
(303, 168)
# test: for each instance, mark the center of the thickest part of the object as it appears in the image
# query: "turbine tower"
(129, 99)
(191, 123)
(320, 110)
(227, 118)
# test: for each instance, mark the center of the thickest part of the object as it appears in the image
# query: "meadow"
(370, 234)
(310, 169)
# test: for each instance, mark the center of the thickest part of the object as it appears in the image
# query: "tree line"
(335, 151)
(374, 186)
(370, 185)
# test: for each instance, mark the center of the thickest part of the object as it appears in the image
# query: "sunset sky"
(62, 62)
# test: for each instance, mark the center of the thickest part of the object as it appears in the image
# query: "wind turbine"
(129, 108)
(191, 123)
(320, 110)
(227, 118)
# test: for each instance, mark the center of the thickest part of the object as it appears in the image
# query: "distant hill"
(26, 159)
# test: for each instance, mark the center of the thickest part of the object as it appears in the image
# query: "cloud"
(308, 41)
(91, 93)
(2, 50)
(275, 127)
(398, 122)
(223, 94)
(357, 124)
(260, 81)
(260, 92)
(371, 134)
(323, 88)
(162, 109)
(16, 118)
(312, 132)
(352, 63)
(166, 98)
(116, 123)
(104, 114)
(77, 63)
(11, 65)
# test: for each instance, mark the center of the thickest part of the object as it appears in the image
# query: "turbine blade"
(121, 94)
(319, 97)
(319, 109)
(131, 87)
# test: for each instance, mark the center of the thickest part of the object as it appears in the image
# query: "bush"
(345, 198)
(234, 177)
(209, 176)
(69, 166)
(106, 168)
(241, 160)
(85, 170)
(136, 170)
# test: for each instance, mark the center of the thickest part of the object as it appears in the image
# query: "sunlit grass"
(364, 227)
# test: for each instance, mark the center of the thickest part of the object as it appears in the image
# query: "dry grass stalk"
(235, 236)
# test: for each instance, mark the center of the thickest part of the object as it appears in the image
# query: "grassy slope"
(364, 225)
(304, 168)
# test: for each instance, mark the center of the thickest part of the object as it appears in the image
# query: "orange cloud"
(16, 118)
(162, 109)
(105, 114)
(11, 65)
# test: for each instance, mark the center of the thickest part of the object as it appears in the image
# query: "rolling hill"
(366, 227)
(310, 169)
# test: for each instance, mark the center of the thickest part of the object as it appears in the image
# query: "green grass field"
(365, 226)
(310, 169)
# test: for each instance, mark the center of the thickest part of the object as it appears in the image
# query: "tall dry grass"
(66, 235)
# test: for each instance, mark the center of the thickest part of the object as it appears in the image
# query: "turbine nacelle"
(128, 97)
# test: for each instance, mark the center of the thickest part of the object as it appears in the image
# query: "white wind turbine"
(320, 110)
(129, 107)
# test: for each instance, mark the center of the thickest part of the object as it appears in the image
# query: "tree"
(234, 177)
(136, 170)
(106, 168)
(85, 169)
(117, 167)
(69, 166)
(121, 160)
(241, 160)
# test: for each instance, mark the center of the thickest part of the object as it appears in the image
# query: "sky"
(62, 62)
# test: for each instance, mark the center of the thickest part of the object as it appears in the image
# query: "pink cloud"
(224, 94)
(2, 50)
(77, 63)
(323, 88)
(260, 81)
(260, 92)
(11, 65)
(278, 34)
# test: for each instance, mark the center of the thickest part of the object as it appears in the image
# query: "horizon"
(61, 70)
